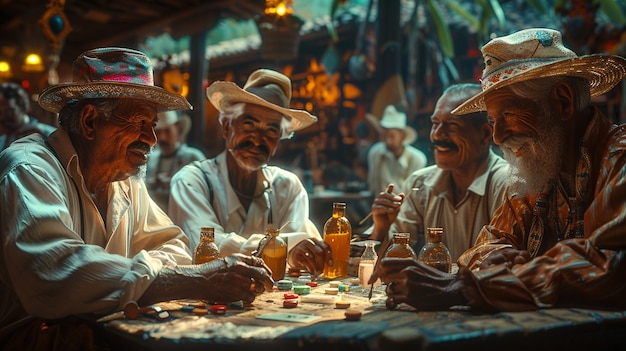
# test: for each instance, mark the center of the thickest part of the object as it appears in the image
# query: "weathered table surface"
(378, 328)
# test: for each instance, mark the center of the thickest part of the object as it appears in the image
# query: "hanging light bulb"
(33, 63)
(5, 70)
(280, 31)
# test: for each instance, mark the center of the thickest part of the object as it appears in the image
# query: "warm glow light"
(33, 59)
(277, 7)
(5, 67)
(33, 63)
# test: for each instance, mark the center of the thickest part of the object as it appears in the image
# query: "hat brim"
(411, 133)
(225, 94)
(603, 72)
(55, 97)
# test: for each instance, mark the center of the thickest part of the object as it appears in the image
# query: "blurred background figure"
(15, 121)
(393, 159)
(170, 154)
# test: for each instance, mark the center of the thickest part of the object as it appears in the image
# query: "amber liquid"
(276, 260)
(340, 246)
(204, 258)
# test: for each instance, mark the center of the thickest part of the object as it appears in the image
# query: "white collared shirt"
(58, 255)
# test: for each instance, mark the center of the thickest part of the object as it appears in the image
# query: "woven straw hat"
(266, 88)
(394, 119)
(111, 73)
(539, 53)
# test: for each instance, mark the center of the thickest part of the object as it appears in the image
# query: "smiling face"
(253, 137)
(460, 142)
(122, 142)
(530, 137)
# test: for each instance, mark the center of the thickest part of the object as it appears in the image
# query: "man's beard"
(541, 157)
(141, 174)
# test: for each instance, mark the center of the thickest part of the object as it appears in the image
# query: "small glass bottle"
(400, 247)
(435, 253)
(337, 234)
(367, 263)
(206, 250)
(274, 252)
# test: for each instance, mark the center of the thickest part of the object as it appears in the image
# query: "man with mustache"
(559, 238)
(460, 192)
(238, 193)
(80, 234)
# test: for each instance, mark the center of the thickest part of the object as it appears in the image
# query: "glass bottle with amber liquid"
(435, 253)
(400, 247)
(273, 251)
(337, 234)
(206, 250)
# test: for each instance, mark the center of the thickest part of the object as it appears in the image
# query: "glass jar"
(435, 253)
(400, 247)
(367, 263)
(337, 234)
(274, 252)
(206, 250)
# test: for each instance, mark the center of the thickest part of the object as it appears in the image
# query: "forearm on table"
(181, 282)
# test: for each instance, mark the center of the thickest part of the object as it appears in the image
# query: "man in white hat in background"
(393, 159)
(238, 193)
(460, 192)
(559, 238)
(79, 232)
(170, 155)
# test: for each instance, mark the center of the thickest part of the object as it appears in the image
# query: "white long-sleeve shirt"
(58, 256)
(286, 201)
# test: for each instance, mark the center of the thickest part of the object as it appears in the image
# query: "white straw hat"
(394, 119)
(266, 88)
(539, 53)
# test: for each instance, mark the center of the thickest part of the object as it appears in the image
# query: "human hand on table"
(507, 256)
(310, 254)
(419, 285)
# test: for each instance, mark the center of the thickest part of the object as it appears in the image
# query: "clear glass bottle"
(400, 247)
(337, 234)
(367, 263)
(435, 253)
(206, 250)
(274, 252)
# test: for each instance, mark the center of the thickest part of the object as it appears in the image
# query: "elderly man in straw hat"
(460, 192)
(237, 192)
(393, 159)
(559, 237)
(81, 234)
(170, 155)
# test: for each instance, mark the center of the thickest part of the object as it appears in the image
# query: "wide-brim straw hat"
(111, 73)
(539, 53)
(394, 119)
(265, 88)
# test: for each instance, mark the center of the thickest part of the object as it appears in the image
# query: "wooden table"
(378, 329)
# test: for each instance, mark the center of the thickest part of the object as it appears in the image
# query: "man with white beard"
(559, 238)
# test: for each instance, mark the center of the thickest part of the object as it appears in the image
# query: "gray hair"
(68, 116)
(236, 110)
(465, 91)
(539, 89)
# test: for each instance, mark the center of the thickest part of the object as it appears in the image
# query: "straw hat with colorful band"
(539, 53)
(111, 73)
(266, 88)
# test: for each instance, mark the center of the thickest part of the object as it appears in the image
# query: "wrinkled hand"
(237, 277)
(310, 255)
(386, 207)
(419, 285)
(508, 256)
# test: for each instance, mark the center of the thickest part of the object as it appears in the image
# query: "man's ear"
(225, 128)
(562, 97)
(487, 130)
(87, 121)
